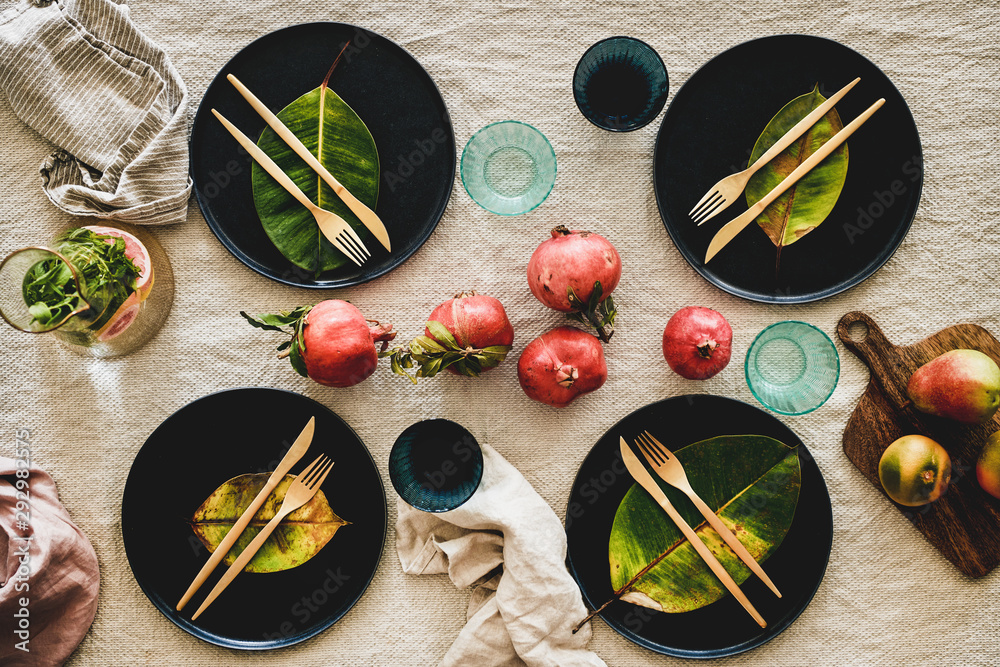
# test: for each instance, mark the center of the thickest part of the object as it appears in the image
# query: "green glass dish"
(508, 167)
(792, 367)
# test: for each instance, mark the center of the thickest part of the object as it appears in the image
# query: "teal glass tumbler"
(620, 84)
(792, 367)
(435, 465)
(508, 168)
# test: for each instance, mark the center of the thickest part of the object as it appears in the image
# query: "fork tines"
(317, 471)
(349, 243)
(707, 206)
(645, 443)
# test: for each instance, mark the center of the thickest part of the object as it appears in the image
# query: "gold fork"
(672, 472)
(725, 192)
(334, 228)
(301, 491)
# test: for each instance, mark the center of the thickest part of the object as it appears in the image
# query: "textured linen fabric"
(50, 574)
(81, 74)
(523, 615)
(888, 597)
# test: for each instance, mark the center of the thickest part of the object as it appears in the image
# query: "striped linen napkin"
(81, 74)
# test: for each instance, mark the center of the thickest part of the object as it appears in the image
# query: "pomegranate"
(560, 365)
(476, 321)
(331, 342)
(575, 272)
(467, 335)
(697, 342)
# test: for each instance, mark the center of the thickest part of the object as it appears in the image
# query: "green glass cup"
(792, 368)
(508, 168)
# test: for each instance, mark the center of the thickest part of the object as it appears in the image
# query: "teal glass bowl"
(435, 465)
(792, 368)
(620, 84)
(508, 168)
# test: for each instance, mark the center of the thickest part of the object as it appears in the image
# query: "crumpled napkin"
(81, 74)
(49, 581)
(508, 543)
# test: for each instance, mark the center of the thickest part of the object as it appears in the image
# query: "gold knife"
(646, 481)
(735, 226)
(365, 214)
(295, 453)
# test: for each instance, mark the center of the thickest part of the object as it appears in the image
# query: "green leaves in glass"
(51, 292)
(299, 537)
(751, 481)
(342, 143)
(802, 207)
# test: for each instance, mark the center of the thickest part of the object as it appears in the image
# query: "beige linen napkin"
(507, 542)
(81, 74)
(49, 582)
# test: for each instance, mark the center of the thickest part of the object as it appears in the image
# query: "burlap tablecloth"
(888, 596)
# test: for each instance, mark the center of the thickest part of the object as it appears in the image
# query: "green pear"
(963, 385)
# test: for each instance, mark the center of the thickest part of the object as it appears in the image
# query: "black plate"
(389, 90)
(218, 437)
(711, 127)
(724, 627)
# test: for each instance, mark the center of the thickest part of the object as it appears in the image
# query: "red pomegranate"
(476, 321)
(340, 343)
(560, 365)
(697, 342)
(331, 342)
(575, 260)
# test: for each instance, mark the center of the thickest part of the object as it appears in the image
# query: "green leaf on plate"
(751, 481)
(802, 207)
(299, 537)
(339, 138)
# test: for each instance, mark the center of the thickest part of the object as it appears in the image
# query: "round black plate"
(389, 90)
(711, 127)
(724, 627)
(218, 437)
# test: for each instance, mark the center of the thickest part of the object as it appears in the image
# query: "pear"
(963, 385)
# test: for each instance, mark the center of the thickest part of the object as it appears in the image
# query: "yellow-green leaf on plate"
(802, 207)
(340, 140)
(751, 481)
(299, 537)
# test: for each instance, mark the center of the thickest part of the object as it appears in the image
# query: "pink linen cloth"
(48, 587)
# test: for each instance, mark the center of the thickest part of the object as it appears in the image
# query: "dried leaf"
(299, 537)
(806, 204)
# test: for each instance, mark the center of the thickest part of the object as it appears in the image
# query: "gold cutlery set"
(725, 192)
(333, 227)
(669, 469)
(301, 491)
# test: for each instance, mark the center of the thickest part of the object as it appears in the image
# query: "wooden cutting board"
(964, 524)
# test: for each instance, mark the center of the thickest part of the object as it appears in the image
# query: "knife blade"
(646, 481)
(365, 214)
(295, 452)
(735, 226)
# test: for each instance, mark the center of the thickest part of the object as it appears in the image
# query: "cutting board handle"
(874, 349)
